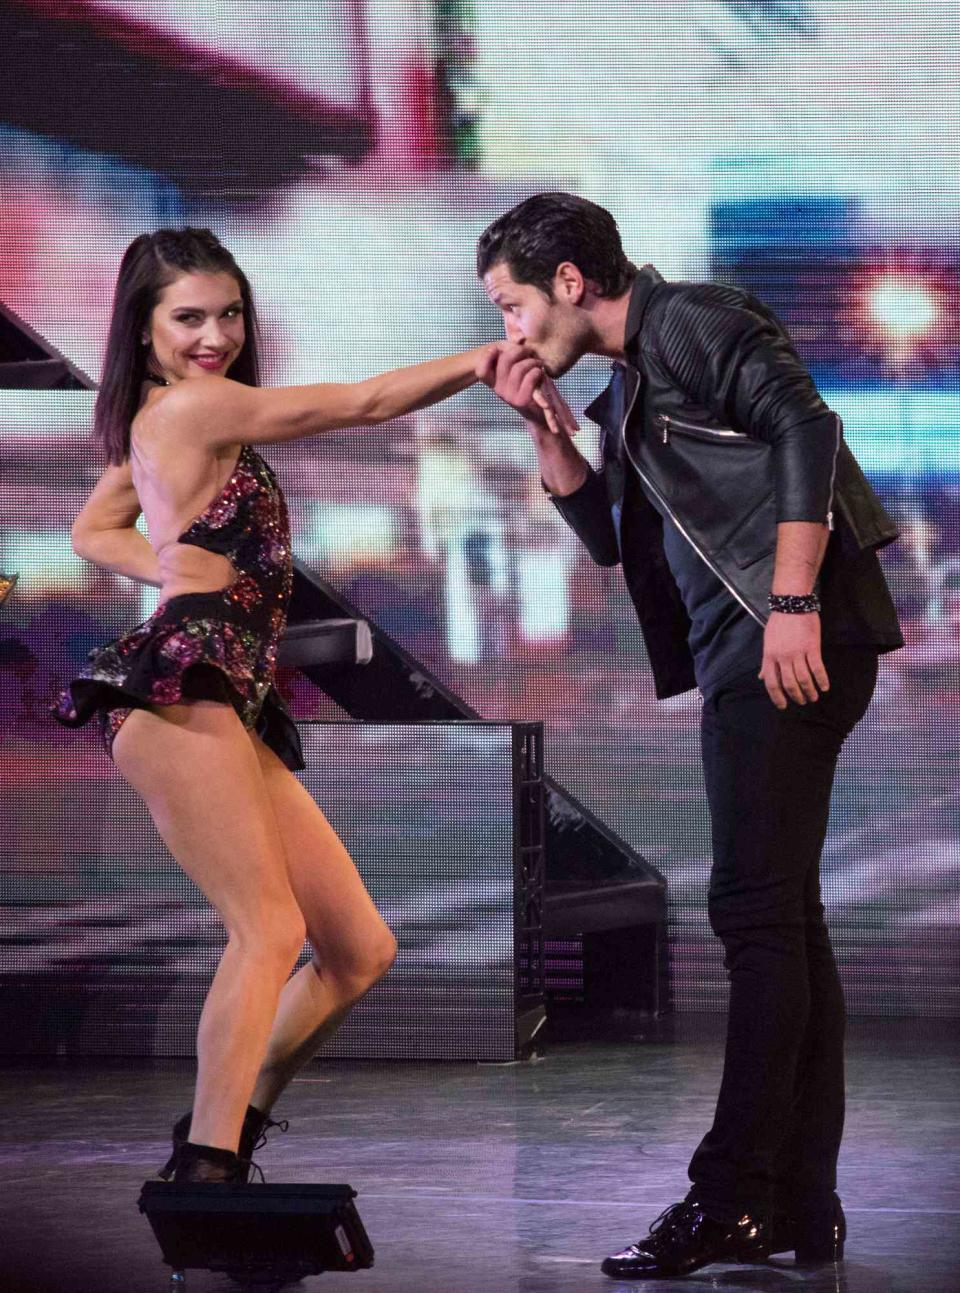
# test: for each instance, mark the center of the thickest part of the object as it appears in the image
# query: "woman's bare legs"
(353, 947)
(199, 775)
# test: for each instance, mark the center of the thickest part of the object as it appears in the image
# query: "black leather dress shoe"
(683, 1239)
(815, 1234)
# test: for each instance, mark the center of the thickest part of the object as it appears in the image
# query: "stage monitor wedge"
(262, 1235)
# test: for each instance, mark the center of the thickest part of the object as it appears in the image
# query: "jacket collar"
(644, 284)
(643, 287)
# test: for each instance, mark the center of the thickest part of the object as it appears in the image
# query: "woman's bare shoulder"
(201, 412)
(166, 441)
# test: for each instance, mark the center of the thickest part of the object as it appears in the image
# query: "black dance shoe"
(684, 1238)
(205, 1163)
(815, 1234)
(253, 1136)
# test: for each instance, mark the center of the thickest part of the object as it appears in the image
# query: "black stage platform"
(472, 1178)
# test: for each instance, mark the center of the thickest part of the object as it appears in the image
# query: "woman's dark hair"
(542, 232)
(149, 264)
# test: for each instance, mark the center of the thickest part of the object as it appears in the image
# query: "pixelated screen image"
(349, 153)
(108, 948)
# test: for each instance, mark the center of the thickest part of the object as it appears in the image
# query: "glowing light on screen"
(902, 307)
(544, 601)
(902, 314)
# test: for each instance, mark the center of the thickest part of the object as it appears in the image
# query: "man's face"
(551, 327)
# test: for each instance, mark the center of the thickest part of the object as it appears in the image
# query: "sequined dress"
(219, 646)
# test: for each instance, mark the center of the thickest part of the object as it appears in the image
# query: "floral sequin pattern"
(243, 592)
(184, 647)
(234, 631)
(111, 721)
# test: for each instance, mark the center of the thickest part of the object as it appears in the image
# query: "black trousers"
(769, 774)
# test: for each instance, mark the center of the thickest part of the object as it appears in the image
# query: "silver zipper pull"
(666, 429)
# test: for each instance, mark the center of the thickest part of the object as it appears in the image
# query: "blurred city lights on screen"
(905, 308)
(344, 533)
(902, 315)
(46, 562)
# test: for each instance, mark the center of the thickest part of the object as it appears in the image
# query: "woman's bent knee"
(385, 955)
(277, 945)
(366, 967)
(376, 958)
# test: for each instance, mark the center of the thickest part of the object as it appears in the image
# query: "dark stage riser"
(604, 912)
(261, 1236)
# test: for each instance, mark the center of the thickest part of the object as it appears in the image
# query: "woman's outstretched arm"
(219, 411)
(105, 530)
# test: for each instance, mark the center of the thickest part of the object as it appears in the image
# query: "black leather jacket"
(718, 417)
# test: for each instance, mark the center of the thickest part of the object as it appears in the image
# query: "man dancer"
(747, 535)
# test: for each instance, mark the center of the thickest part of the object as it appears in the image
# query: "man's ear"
(569, 284)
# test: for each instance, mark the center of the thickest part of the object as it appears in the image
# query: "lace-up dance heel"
(253, 1136)
(204, 1164)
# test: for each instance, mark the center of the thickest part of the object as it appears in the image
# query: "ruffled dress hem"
(92, 698)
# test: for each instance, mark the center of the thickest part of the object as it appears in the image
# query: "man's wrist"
(794, 603)
(536, 425)
(568, 486)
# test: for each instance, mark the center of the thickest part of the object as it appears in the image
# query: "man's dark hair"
(540, 233)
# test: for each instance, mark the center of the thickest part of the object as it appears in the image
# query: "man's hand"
(516, 376)
(556, 412)
(792, 662)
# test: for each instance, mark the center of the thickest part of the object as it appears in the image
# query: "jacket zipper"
(833, 473)
(666, 421)
(667, 508)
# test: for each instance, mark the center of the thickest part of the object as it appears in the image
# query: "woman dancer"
(186, 701)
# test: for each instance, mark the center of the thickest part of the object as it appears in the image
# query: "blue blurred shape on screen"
(897, 432)
(874, 314)
(747, 225)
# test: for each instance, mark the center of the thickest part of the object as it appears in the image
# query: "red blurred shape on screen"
(151, 41)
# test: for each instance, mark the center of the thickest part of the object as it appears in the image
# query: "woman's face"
(196, 326)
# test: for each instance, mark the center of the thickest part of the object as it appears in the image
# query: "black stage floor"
(486, 1179)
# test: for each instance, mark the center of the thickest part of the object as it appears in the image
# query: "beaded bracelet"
(788, 604)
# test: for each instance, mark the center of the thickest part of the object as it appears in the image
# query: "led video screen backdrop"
(349, 153)
(115, 955)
